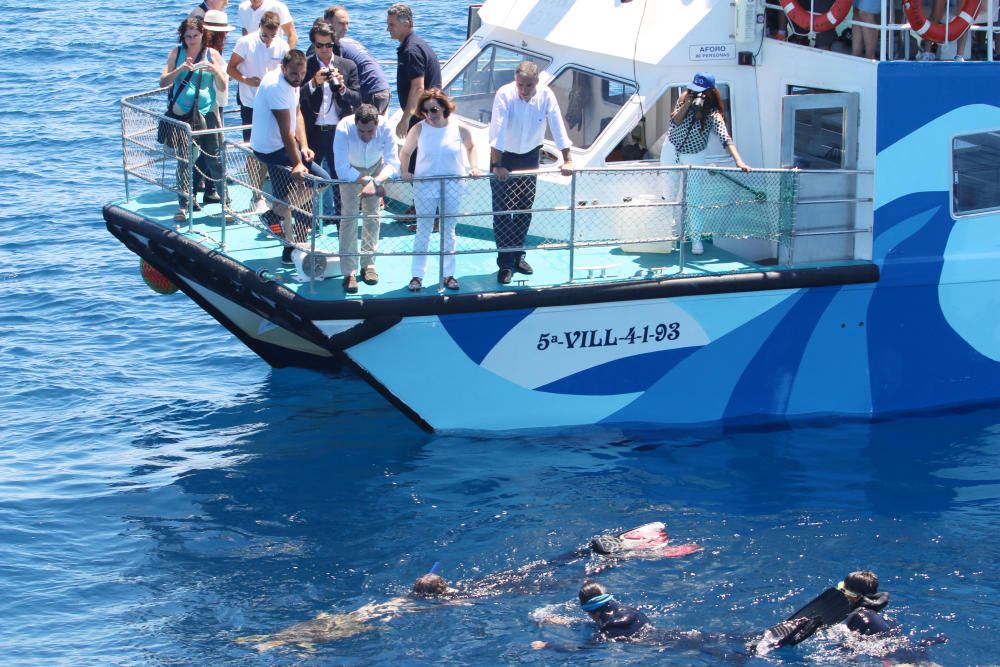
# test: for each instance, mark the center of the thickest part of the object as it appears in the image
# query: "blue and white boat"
(853, 273)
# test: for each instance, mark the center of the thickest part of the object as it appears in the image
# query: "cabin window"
(475, 86)
(588, 101)
(975, 185)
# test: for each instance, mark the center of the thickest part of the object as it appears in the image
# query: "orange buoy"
(938, 32)
(820, 22)
(156, 281)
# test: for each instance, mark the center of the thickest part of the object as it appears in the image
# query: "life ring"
(820, 22)
(935, 32)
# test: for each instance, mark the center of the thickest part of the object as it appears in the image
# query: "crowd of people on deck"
(323, 111)
(860, 30)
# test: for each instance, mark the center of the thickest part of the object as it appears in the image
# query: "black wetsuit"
(619, 621)
(866, 622)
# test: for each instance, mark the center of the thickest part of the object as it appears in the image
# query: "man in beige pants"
(365, 155)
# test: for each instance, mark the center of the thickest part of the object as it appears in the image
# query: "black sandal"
(416, 284)
(450, 283)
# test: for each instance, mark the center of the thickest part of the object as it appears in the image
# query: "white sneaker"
(697, 247)
(926, 56)
(259, 205)
(959, 59)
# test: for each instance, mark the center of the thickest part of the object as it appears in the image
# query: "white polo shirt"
(274, 93)
(249, 18)
(518, 126)
(258, 60)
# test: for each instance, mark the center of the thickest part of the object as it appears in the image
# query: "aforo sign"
(712, 52)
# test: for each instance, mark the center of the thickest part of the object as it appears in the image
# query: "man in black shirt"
(417, 65)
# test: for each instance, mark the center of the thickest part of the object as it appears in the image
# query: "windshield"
(475, 86)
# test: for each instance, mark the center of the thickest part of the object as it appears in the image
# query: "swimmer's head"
(594, 597)
(860, 584)
(430, 585)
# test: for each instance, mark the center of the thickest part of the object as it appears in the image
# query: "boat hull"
(758, 346)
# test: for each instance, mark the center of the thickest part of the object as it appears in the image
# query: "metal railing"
(648, 210)
(897, 39)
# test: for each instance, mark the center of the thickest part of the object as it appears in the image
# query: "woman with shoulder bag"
(191, 72)
(697, 114)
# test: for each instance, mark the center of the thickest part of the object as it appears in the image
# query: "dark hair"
(447, 105)
(429, 585)
(591, 589)
(365, 113)
(215, 39)
(194, 23)
(321, 27)
(401, 12)
(270, 19)
(331, 12)
(863, 582)
(293, 57)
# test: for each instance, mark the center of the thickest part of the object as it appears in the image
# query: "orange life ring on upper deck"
(935, 32)
(821, 22)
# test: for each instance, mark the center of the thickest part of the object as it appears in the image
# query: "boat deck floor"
(476, 272)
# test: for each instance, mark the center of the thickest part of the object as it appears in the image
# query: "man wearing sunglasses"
(521, 111)
(332, 93)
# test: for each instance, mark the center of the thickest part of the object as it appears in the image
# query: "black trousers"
(321, 141)
(516, 193)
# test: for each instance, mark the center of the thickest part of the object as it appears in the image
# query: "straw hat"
(217, 21)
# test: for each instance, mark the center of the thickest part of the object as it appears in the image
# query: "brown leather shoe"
(351, 284)
(369, 275)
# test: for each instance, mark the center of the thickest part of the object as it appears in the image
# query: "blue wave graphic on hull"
(622, 376)
(478, 333)
(766, 384)
(922, 361)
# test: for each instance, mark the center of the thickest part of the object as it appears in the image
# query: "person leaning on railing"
(365, 152)
(190, 71)
(699, 113)
(521, 111)
(438, 140)
(278, 139)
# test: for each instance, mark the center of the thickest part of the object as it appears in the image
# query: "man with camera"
(332, 93)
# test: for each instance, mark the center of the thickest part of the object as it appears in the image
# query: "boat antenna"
(635, 50)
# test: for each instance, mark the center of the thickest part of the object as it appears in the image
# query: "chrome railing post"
(190, 183)
(572, 225)
(222, 187)
(125, 156)
(441, 276)
(683, 225)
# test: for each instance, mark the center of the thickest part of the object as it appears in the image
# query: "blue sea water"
(163, 492)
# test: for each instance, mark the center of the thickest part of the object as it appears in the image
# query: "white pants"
(426, 198)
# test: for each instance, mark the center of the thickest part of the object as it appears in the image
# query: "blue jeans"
(283, 187)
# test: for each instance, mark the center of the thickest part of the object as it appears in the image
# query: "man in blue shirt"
(374, 84)
(417, 65)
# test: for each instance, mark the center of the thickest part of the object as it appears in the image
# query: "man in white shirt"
(521, 111)
(254, 56)
(365, 153)
(250, 12)
(278, 139)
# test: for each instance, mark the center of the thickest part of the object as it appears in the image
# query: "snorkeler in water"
(857, 603)
(615, 621)
(618, 622)
(855, 600)
(331, 627)
(648, 540)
